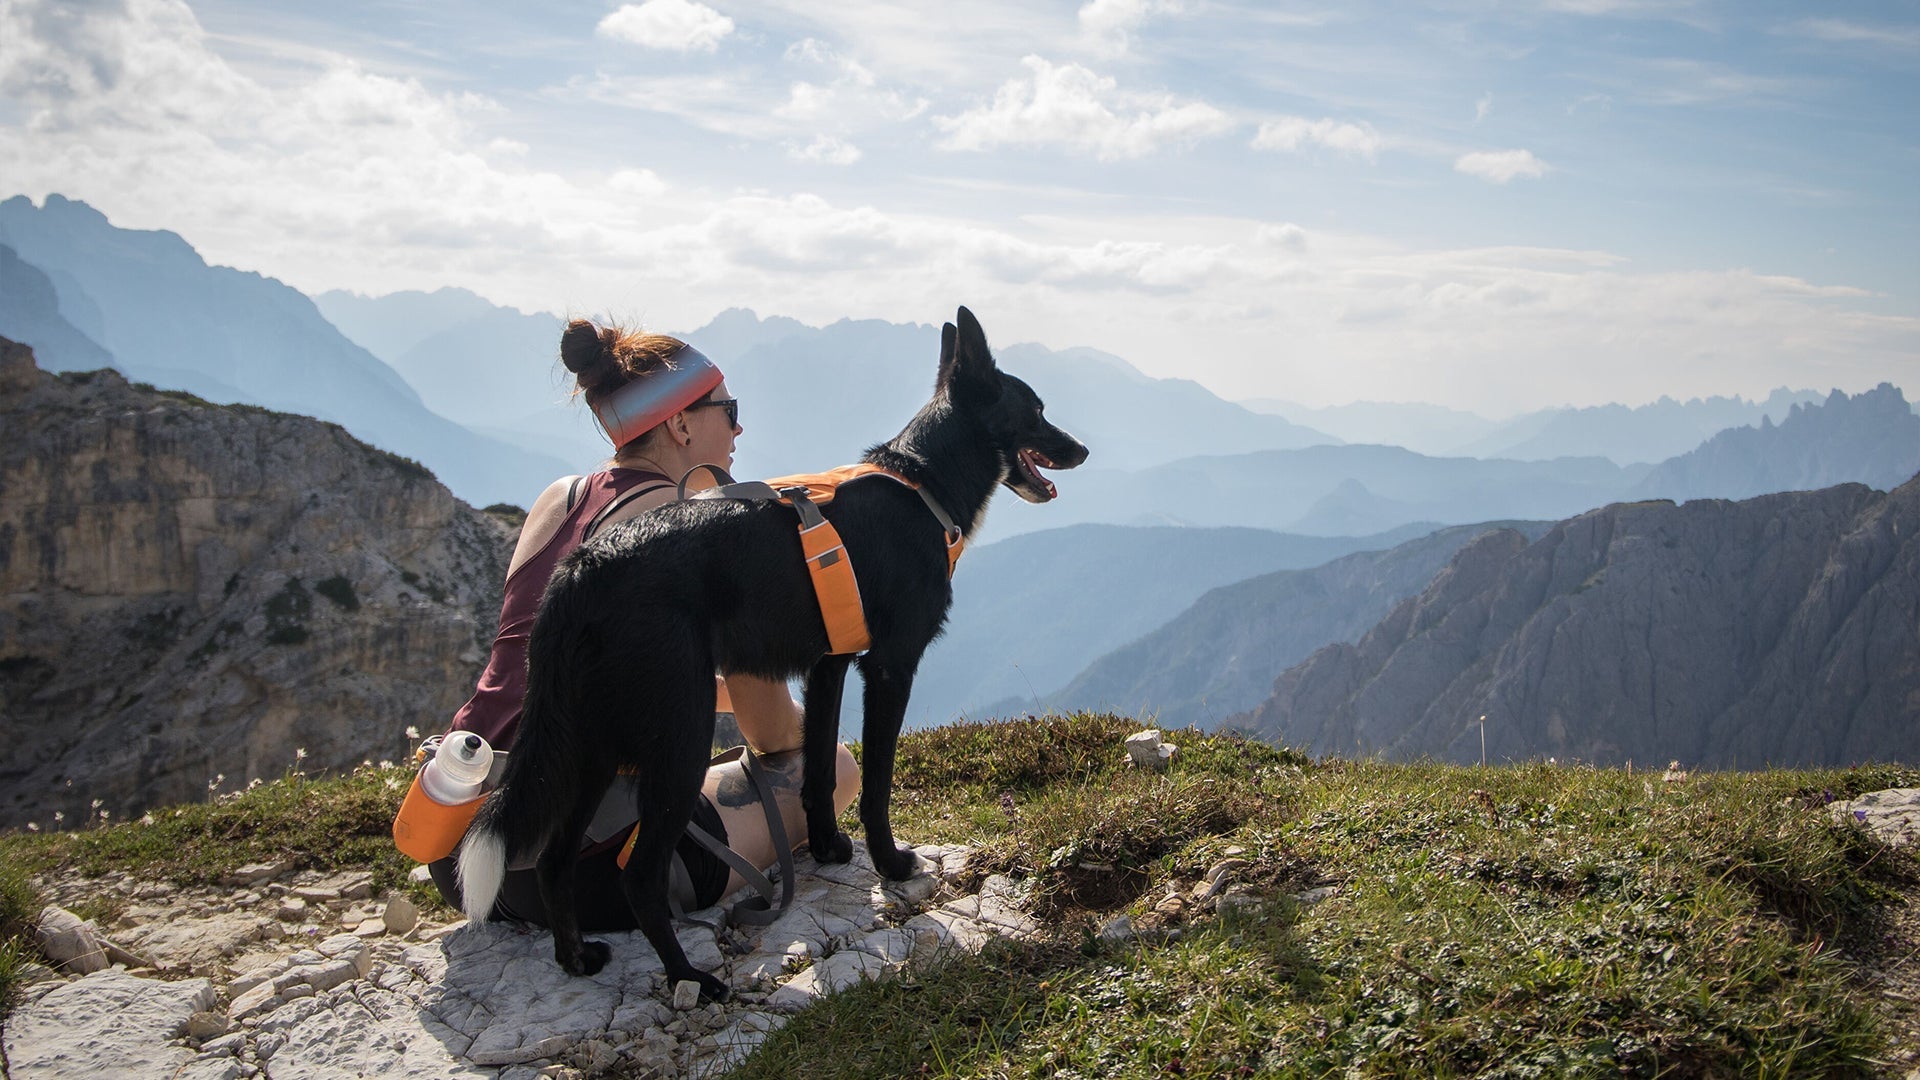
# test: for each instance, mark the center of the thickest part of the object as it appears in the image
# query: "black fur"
(632, 625)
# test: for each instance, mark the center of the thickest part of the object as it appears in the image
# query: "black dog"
(633, 624)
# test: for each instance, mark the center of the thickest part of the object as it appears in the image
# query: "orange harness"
(827, 563)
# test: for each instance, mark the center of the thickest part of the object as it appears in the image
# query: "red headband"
(646, 402)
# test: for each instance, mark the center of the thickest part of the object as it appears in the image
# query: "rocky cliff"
(193, 593)
(1782, 630)
(1220, 656)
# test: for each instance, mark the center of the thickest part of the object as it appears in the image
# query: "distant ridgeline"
(1783, 630)
(194, 593)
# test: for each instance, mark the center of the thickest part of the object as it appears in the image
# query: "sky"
(1489, 205)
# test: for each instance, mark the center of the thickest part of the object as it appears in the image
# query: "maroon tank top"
(494, 709)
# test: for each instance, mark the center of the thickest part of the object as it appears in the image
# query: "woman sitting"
(667, 411)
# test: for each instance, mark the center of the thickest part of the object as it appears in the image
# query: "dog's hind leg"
(888, 687)
(666, 806)
(826, 682)
(554, 875)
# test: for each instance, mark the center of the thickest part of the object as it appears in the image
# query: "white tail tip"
(482, 867)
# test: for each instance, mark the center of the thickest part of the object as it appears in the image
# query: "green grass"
(340, 823)
(1529, 921)
(1533, 921)
(20, 906)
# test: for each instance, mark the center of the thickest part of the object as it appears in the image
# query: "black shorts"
(599, 903)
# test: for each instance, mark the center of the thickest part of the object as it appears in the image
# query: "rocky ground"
(283, 975)
(290, 975)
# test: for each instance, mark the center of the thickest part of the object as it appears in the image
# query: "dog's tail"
(542, 780)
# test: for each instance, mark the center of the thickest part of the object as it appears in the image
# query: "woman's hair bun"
(583, 349)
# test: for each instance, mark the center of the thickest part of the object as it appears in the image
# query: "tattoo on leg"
(783, 773)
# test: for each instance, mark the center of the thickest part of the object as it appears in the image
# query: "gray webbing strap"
(756, 910)
(719, 474)
(810, 516)
(940, 514)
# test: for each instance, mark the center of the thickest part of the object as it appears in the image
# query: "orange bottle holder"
(427, 831)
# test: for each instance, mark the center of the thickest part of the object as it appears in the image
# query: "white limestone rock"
(108, 1024)
(70, 941)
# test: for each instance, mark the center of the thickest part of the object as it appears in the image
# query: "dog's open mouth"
(1031, 462)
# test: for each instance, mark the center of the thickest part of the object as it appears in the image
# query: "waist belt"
(834, 586)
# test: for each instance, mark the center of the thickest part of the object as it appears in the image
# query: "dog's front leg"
(888, 688)
(825, 683)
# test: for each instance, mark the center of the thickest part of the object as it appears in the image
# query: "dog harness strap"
(956, 540)
(723, 476)
(834, 587)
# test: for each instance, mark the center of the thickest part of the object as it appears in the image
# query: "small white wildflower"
(105, 814)
(300, 754)
(253, 783)
(33, 826)
(385, 764)
(147, 818)
(96, 804)
(413, 732)
(59, 816)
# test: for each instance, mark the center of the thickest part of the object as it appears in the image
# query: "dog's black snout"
(1070, 453)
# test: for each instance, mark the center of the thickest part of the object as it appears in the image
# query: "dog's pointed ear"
(947, 335)
(972, 361)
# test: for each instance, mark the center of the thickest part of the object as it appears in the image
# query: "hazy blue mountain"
(1624, 434)
(1031, 611)
(1221, 656)
(171, 320)
(819, 397)
(1425, 429)
(469, 360)
(388, 326)
(1871, 438)
(30, 314)
(1326, 490)
(812, 397)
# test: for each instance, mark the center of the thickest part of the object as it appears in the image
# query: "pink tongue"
(1032, 461)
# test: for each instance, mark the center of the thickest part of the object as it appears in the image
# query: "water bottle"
(444, 798)
(458, 769)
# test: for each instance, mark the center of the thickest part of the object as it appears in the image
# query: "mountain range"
(1781, 630)
(1625, 435)
(1221, 655)
(169, 319)
(1032, 610)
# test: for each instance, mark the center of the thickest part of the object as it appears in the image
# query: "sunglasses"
(732, 405)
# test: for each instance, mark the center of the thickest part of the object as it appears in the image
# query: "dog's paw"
(899, 865)
(838, 849)
(592, 957)
(712, 989)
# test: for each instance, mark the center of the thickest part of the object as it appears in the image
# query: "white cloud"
(842, 91)
(1482, 107)
(1500, 166)
(335, 177)
(1898, 37)
(675, 25)
(1291, 133)
(1108, 26)
(827, 150)
(1068, 105)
